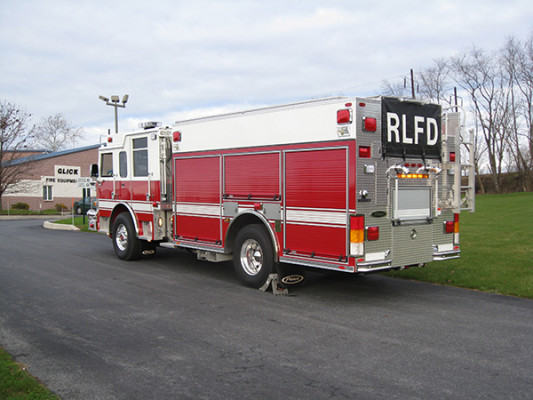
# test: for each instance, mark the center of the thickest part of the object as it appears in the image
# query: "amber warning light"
(413, 176)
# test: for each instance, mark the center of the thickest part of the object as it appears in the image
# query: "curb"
(63, 227)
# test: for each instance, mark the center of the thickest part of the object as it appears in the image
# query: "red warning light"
(344, 116)
(370, 124)
(365, 151)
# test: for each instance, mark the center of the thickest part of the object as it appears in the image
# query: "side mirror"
(94, 170)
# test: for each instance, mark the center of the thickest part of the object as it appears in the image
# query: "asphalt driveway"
(170, 327)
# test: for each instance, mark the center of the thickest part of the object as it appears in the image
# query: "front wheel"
(253, 255)
(125, 241)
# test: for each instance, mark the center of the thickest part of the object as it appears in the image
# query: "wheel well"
(243, 220)
(119, 209)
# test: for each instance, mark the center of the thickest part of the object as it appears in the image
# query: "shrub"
(20, 206)
(60, 207)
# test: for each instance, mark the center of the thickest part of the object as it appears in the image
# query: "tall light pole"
(115, 103)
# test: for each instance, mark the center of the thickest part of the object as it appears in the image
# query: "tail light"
(372, 233)
(357, 235)
(453, 227)
(456, 228)
(449, 226)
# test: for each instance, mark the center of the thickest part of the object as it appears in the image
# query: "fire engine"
(345, 184)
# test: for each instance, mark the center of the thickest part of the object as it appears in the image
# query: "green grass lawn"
(17, 384)
(78, 221)
(496, 249)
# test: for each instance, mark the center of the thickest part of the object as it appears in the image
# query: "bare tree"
(525, 84)
(480, 75)
(517, 59)
(14, 136)
(55, 132)
(396, 88)
(434, 83)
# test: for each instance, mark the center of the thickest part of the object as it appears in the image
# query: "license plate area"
(412, 244)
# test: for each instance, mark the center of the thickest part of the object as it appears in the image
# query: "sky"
(179, 59)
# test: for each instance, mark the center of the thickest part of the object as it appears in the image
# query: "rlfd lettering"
(422, 125)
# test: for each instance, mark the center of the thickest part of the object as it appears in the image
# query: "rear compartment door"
(316, 203)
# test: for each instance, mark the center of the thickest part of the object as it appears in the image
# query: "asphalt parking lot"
(93, 327)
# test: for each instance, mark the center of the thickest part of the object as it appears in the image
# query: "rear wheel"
(253, 255)
(125, 241)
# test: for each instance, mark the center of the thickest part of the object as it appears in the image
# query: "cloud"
(179, 57)
(318, 19)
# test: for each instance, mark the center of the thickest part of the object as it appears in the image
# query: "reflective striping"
(106, 204)
(136, 206)
(314, 224)
(310, 216)
(380, 255)
(320, 217)
(198, 209)
(147, 207)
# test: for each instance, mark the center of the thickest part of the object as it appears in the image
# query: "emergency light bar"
(413, 176)
(149, 124)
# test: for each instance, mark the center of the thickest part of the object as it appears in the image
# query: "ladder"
(468, 171)
(464, 171)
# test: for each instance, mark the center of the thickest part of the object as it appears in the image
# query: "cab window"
(106, 163)
(140, 157)
(122, 164)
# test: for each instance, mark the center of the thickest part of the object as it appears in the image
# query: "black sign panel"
(410, 129)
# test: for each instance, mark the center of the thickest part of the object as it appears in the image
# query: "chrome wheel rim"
(251, 257)
(121, 237)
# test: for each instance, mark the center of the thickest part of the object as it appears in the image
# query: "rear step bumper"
(446, 255)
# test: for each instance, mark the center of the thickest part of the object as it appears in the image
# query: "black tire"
(125, 241)
(253, 255)
(78, 210)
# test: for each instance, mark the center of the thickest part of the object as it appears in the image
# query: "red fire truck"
(345, 184)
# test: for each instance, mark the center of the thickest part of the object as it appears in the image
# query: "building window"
(122, 164)
(47, 193)
(107, 165)
(140, 157)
